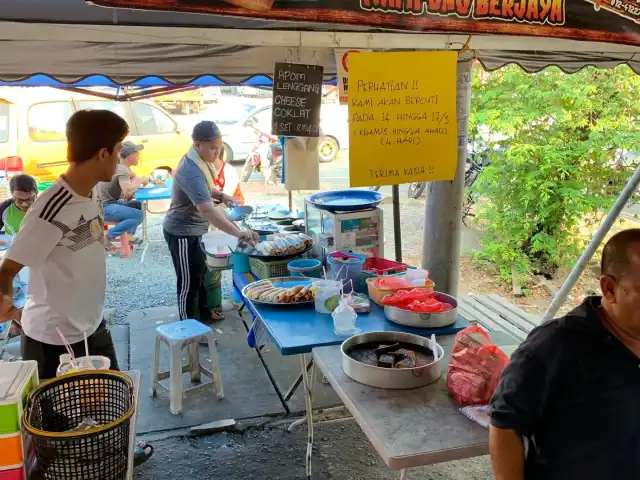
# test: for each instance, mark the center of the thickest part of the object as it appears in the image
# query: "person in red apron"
(227, 180)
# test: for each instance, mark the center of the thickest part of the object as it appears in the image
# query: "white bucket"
(326, 295)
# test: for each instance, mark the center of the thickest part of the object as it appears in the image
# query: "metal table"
(144, 195)
(408, 428)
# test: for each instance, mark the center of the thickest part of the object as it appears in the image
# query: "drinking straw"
(86, 345)
(66, 344)
(324, 272)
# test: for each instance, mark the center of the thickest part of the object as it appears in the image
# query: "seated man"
(117, 195)
(24, 191)
(567, 404)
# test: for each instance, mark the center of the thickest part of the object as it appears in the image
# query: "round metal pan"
(391, 378)
(424, 320)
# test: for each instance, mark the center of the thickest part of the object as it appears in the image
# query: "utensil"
(424, 320)
(239, 213)
(392, 378)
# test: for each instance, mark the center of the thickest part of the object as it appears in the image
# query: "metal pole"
(290, 201)
(597, 239)
(397, 233)
(443, 207)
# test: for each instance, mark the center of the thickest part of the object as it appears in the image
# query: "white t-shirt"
(231, 180)
(62, 240)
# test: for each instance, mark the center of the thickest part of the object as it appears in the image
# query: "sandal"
(142, 453)
(216, 316)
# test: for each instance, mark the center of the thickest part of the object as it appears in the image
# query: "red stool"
(122, 243)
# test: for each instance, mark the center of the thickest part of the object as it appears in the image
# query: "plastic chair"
(186, 333)
(122, 243)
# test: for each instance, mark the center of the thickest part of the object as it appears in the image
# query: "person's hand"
(7, 310)
(228, 201)
(145, 180)
(249, 236)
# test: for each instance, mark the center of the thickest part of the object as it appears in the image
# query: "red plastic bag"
(402, 298)
(429, 306)
(475, 367)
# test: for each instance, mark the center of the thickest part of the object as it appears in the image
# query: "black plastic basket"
(58, 406)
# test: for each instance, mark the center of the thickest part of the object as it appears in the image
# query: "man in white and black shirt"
(62, 241)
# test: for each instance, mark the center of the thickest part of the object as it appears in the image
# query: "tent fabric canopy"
(72, 42)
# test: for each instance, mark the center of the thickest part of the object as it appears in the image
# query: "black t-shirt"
(572, 390)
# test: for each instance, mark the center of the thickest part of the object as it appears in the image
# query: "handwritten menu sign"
(297, 98)
(402, 117)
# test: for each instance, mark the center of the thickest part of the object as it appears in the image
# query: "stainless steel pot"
(391, 378)
(424, 320)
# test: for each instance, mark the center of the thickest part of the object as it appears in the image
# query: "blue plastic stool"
(177, 335)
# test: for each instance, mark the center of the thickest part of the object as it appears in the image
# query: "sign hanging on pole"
(402, 117)
(297, 98)
(342, 68)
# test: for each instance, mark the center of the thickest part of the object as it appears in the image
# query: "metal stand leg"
(308, 390)
(403, 474)
(145, 229)
(294, 386)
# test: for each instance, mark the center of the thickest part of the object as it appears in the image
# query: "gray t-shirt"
(111, 192)
(190, 188)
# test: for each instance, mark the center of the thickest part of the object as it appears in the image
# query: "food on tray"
(287, 244)
(265, 291)
(402, 298)
(416, 300)
(391, 283)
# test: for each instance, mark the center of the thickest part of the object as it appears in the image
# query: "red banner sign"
(615, 21)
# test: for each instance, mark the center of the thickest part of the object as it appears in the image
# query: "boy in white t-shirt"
(62, 241)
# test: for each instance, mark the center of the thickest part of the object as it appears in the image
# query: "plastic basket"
(377, 294)
(58, 406)
(382, 266)
(264, 269)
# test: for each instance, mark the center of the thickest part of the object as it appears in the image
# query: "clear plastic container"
(326, 295)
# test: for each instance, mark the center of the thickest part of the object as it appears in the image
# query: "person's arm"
(197, 189)
(520, 399)
(129, 187)
(3, 207)
(507, 453)
(8, 271)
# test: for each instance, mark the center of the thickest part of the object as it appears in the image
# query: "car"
(33, 123)
(239, 137)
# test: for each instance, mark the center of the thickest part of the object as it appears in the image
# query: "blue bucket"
(241, 262)
(305, 267)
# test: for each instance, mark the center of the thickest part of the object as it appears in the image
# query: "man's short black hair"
(615, 255)
(89, 131)
(24, 183)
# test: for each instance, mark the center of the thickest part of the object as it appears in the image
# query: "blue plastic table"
(144, 195)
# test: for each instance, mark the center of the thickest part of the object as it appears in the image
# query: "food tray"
(270, 268)
(346, 200)
(377, 294)
(424, 320)
(285, 282)
(280, 257)
(382, 266)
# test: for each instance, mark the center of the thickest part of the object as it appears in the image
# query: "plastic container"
(348, 271)
(326, 295)
(241, 262)
(219, 247)
(344, 319)
(383, 266)
(264, 269)
(305, 267)
(377, 294)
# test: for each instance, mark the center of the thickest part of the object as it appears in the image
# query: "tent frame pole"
(442, 233)
(591, 249)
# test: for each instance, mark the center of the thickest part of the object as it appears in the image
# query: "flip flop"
(216, 316)
(142, 452)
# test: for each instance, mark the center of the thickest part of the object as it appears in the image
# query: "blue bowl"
(305, 267)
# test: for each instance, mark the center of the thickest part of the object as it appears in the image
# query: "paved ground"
(341, 453)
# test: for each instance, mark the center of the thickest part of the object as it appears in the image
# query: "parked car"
(239, 137)
(33, 123)
(210, 94)
(187, 102)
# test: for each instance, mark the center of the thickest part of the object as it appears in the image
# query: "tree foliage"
(566, 136)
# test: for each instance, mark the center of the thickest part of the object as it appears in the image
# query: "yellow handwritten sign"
(402, 117)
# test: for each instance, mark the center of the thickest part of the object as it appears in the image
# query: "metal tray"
(284, 256)
(391, 378)
(288, 282)
(346, 200)
(424, 320)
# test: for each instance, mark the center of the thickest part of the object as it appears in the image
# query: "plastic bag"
(475, 367)
(402, 298)
(430, 305)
